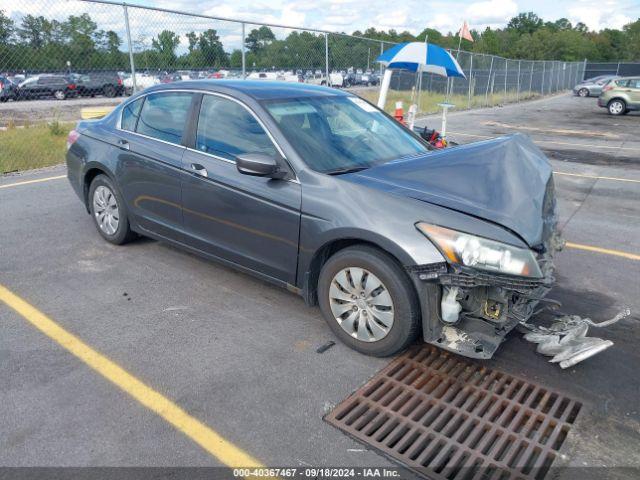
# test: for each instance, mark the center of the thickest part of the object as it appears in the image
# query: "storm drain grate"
(448, 418)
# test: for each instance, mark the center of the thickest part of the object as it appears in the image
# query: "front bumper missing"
(493, 305)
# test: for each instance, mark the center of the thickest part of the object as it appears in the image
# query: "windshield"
(341, 133)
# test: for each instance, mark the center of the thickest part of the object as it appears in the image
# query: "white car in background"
(336, 79)
(142, 81)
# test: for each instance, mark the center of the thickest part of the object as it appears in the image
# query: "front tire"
(583, 92)
(59, 95)
(108, 211)
(368, 301)
(617, 107)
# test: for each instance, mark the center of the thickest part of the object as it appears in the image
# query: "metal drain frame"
(446, 417)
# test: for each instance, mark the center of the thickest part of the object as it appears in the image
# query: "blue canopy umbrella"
(418, 57)
(421, 57)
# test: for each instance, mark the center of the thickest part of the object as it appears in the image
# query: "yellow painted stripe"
(209, 440)
(27, 182)
(597, 177)
(606, 251)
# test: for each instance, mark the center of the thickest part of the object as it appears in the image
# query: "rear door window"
(164, 116)
(226, 129)
(130, 114)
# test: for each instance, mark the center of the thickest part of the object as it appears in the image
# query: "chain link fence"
(57, 56)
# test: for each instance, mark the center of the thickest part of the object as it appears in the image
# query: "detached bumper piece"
(566, 339)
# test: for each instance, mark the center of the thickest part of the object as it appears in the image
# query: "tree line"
(39, 44)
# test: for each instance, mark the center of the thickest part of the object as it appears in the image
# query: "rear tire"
(59, 95)
(108, 211)
(378, 321)
(583, 92)
(109, 91)
(617, 106)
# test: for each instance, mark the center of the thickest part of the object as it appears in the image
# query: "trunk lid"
(503, 180)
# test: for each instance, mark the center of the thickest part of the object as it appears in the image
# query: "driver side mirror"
(259, 165)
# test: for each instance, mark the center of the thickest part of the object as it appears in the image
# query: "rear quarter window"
(164, 116)
(130, 114)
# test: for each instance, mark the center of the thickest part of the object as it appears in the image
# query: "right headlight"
(481, 253)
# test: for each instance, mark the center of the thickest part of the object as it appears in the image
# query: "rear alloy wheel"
(109, 211)
(617, 107)
(368, 301)
(109, 91)
(583, 92)
(59, 95)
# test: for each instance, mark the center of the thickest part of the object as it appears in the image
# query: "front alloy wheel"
(361, 304)
(105, 209)
(368, 300)
(59, 95)
(583, 92)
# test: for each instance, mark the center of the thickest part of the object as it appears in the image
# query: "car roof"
(258, 89)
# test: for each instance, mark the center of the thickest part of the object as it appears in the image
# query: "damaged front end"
(473, 309)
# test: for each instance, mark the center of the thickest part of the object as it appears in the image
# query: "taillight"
(607, 87)
(71, 86)
(119, 81)
(71, 138)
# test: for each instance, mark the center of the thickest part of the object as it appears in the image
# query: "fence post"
(544, 72)
(244, 58)
(470, 81)
(506, 73)
(518, 92)
(131, 62)
(533, 62)
(584, 68)
(326, 58)
(486, 93)
(618, 69)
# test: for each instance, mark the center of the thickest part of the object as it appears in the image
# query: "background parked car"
(593, 86)
(143, 81)
(8, 90)
(108, 84)
(57, 86)
(621, 95)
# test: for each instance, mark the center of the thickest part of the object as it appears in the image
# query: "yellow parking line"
(27, 182)
(606, 251)
(597, 177)
(208, 439)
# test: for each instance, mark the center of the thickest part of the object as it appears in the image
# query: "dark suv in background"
(57, 86)
(108, 84)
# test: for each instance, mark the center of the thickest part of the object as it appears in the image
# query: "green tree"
(7, 27)
(259, 38)
(525, 23)
(165, 45)
(33, 30)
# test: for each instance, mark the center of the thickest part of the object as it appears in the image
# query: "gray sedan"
(320, 192)
(592, 87)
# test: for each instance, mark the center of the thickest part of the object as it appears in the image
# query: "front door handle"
(199, 169)
(123, 144)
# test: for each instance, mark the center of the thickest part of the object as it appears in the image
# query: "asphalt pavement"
(240, 355)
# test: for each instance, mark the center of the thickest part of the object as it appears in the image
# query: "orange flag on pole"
(465, 33)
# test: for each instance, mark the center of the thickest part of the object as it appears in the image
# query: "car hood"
(503, 180)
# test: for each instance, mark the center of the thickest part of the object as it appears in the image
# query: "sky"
(333, 15)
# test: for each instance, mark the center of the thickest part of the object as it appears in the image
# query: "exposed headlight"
(482, 253)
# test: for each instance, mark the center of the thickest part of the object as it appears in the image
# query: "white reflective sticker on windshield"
(291, 109)
(363, 105)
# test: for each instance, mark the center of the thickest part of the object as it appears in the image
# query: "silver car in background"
(592, 87)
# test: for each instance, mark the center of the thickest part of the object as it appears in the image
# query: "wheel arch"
(330, 248)
(92, 172)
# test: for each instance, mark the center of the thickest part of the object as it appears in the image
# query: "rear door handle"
(199, 169)
(123, 144)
